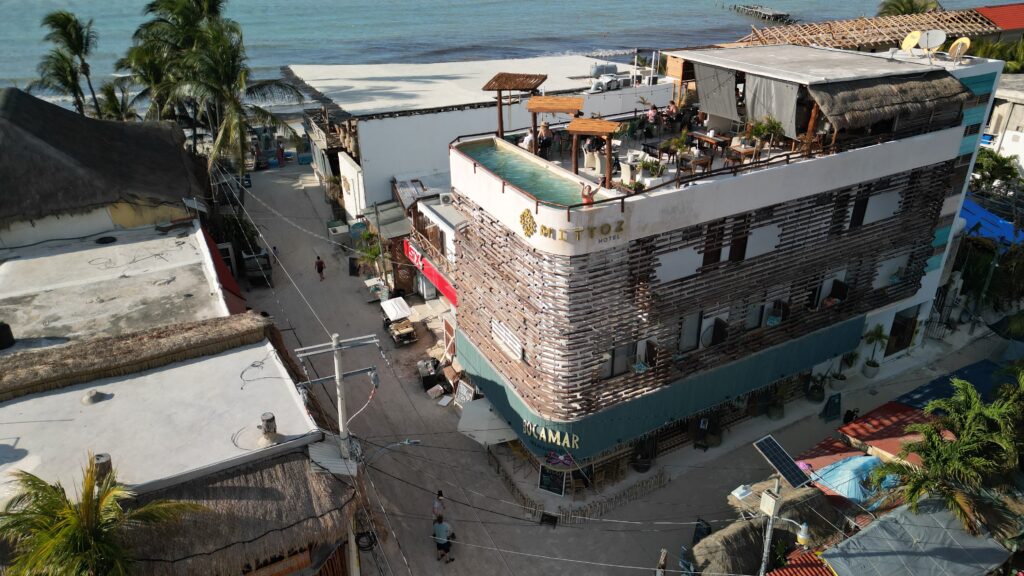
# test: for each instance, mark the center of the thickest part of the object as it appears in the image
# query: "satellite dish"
(932, 40)
(910, 41)
(958, 49)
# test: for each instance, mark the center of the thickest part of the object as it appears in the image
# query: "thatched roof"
(256, 511)
(859, 103)
(44, 369)
(514, 81)
(736, 549)
(55, 161)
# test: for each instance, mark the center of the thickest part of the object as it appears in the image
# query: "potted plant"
(767, 129)
(636, 186)
(874, 337)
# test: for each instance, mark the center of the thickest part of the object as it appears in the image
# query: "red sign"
(432, 273)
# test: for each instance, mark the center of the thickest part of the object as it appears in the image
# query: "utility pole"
(335, 347)
(769, 505)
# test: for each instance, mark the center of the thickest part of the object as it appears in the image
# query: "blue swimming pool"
(524, 173)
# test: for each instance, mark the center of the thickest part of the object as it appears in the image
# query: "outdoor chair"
(627, 172)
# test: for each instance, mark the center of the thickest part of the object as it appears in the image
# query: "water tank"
(6, 336)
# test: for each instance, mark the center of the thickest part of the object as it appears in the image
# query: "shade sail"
(396, 309)
(716, 88)
(769, 97)
(481, 423)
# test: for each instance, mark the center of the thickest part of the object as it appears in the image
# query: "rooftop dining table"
(744, 151)
(713, 141)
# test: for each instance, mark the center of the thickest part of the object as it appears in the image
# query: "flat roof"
(157, 424)
(806, 64)
(367, 89)
(78, 288)
(1011, 87)
(444, 212)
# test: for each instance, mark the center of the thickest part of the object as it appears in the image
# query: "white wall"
(660, 211)
(449, 232)
(56, 227)
(352, 184)
(418, 143)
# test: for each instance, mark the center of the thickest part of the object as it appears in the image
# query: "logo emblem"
(528, 223)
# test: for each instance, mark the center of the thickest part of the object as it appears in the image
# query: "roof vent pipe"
(269, 428)
(104, 466)
(6, 336)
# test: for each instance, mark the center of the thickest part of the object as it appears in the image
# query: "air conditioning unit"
(446, 198)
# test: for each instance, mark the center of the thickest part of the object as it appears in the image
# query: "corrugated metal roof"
(1007, 17)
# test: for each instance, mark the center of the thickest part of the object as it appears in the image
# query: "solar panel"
(781, 461)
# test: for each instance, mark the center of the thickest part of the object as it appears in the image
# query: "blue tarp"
(849, 477)
(981, 222)
(985, 375)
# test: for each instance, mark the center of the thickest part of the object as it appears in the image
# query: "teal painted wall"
(933, 263)
(975, 115)
(980, 84)
(677, 401)
(941, 236)
(969, 145)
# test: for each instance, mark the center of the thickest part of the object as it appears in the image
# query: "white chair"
(599, 164)
(736, 140)
(627, 172)
(590, 160)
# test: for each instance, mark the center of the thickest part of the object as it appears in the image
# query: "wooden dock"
(763, 13)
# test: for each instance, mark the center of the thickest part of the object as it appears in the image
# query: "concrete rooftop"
(1011, 87)
(78, 288)
(155, 424)
(366, 89)
(809, 65)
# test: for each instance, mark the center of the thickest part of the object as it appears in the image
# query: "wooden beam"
(575, 153)
(810, 127)
(608, 161)
(501, 125)
(533, 141)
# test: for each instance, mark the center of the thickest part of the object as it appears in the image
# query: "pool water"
(523, 173)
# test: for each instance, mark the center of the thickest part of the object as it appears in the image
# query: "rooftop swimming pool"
(524, 173)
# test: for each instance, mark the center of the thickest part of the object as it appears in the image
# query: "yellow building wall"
(125, 215)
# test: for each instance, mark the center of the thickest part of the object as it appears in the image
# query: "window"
(860, 207)
(972, 129)
(755, 313)
(777, 313)
(714, 332)
(689, 334)
(619, 360)
(507, 341)
(713, 243)
(738, 244)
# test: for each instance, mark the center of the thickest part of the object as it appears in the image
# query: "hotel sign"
(601, 232)
(550, 436)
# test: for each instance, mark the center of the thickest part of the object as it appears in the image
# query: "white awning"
(396, 309)
(481, 423)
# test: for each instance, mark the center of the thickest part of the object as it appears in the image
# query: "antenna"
(910, 41)
(931, 41)
(958, 49)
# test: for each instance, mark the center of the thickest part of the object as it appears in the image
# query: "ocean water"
(279, 33)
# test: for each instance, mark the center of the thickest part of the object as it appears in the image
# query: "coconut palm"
(53, 534)
(148, 68)
(115, 103)
(898, 7)
(178, 24)
(970, 446)
(218, 77)
(58, 74)
(78, 38)
(992, 167)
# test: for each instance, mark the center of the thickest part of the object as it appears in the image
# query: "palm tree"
(992, 167)
(178, 24)
(147, 68)
(218, 77)
(898, 7)
(58, 73)
(1011, 53)
(115, 103)
(52, 534)
(77, 38)
(967, 448)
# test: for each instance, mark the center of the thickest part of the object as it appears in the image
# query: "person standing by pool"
(527, 140)
(443, 539)
(544, 140)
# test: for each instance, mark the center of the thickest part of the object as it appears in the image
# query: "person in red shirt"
(320, 266)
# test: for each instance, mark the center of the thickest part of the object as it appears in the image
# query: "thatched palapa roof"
(44, 369)
(55, 161)
(255, 512)
(737, 548)
(859, 103)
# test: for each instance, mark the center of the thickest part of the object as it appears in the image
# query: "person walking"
(443, 537)
(438, 507)
(274, 249)
(320, 266)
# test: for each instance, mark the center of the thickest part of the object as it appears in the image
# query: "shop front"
(429, 281)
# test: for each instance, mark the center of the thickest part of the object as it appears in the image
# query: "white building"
(397, 120)
(1005, 131)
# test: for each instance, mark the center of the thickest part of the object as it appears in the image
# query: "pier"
(763, 13)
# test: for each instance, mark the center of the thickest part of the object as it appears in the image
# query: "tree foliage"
(54, 534)
(900, 7)
(75, 38)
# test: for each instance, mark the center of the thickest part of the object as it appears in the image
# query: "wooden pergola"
(512, 82)
(593, 127)
(550, 105)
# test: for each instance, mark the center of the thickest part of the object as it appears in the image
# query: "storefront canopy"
(481, 423)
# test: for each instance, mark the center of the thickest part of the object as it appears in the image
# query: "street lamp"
(406, 442)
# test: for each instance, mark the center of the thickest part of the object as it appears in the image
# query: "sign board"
(552, 480)
(464, 393)
(430, 272)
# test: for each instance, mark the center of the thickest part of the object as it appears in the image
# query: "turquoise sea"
(285, 32)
